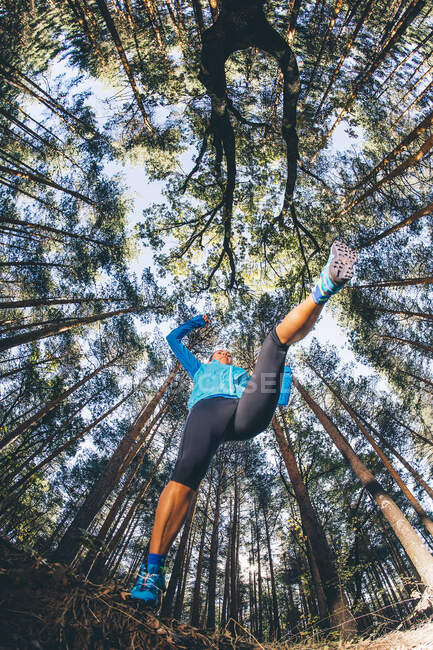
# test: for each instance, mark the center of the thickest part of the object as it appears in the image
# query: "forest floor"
(47, 606)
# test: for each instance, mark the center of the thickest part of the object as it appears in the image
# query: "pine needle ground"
(49, 607)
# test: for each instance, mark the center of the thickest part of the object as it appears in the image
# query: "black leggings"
(214, 420)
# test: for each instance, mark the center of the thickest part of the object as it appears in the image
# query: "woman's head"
(223, 356)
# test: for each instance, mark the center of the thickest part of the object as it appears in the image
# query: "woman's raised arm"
(188, 360)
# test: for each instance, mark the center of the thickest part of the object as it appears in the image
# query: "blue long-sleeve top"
(215, 379)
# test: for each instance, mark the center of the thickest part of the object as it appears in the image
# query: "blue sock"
(156, 563)
(325, 287)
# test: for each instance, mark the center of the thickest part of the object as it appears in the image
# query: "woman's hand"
(206, 319)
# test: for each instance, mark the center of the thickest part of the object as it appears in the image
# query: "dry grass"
(420, 638)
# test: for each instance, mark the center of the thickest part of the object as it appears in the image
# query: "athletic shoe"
(149, 588)
(337, 272)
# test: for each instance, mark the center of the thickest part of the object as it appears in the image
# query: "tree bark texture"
(242, 24)
(397, 478)
(339, 613)
(415, 549)
(195, 605)
(70, 543)
(176, 572)
(34, 419)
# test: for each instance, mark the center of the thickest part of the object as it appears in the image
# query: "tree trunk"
(413, 9)
(238, 575)
(422, 212)
(15, 371)
(363, 19)
(259, 576)
(154, 19)
(167, 604)
(44, 180)
(105, 12)
(416, 377)
(213, 562)
(251, 597)
(415, 549)
(112, 557)
(143, 440)
(128, 537)
(97, 572)
(408, 578)
(401, 312)
(30, 325)
(422, 127)
(234, 603)
(339, 613)
(398, 171)
(45, 332)
(383, 85)
(402, 460)
(397, 478)
(253, 585)
(180, 594)
(198, 15)
(411, 282)
(109, 520)
(43, 97)
(46, 461)
(401, 341)
(70, 543)
(424, 92)
(226, 593)
(195, 605)
(417, 435)
(57, 231)
(45, 442)
(80, 16)
(16, 304)
(26, 263)
(256, 614)
(31, 236)
(335, 13)
(238, 26)
(34, 419)
(275, 613)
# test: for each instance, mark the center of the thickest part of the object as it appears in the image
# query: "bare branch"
(197, 162)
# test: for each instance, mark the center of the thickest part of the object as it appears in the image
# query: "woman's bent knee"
(189, 474)
(191, 482)
(178, 485)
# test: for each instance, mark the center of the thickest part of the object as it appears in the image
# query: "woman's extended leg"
(338, 271)
(259, 400)
(298, 322)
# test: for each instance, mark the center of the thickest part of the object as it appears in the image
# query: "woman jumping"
(227, 404)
